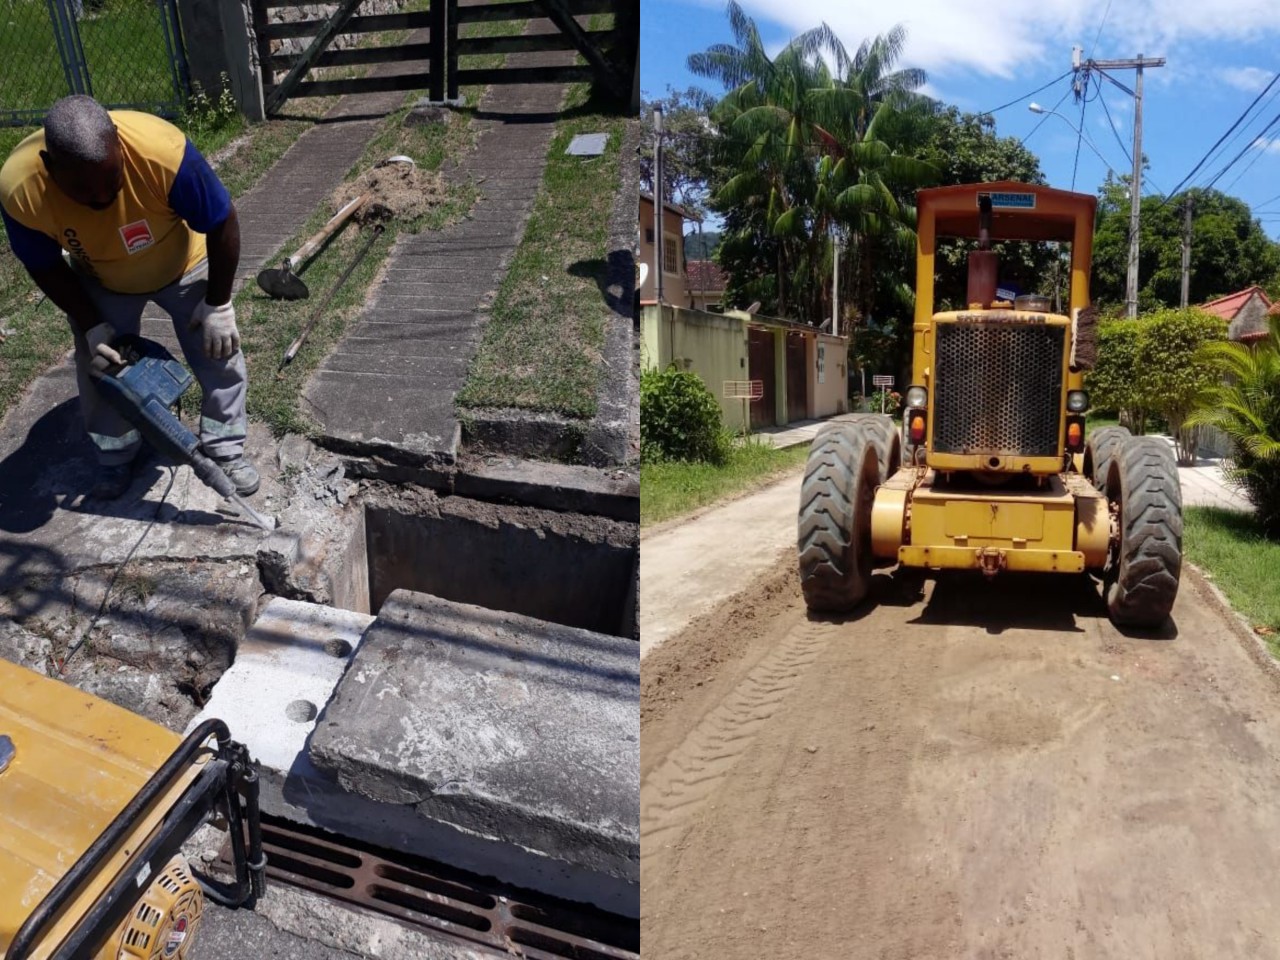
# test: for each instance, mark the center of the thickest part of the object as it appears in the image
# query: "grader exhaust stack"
(991, 469)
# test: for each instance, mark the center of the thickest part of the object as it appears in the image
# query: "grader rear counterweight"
(992, 470)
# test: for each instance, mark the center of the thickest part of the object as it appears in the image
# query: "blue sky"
(1220, 54)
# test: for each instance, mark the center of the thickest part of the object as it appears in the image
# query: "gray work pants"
(222, 417)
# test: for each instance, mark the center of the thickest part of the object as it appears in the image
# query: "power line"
(1219, 141)
(1084, 102)
(1112, 123)
(1105, 14)
(1257, 155)
(1046, 116)
(1025, 95)
(1245, 149)
(1244, 130)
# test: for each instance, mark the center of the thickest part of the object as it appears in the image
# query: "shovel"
(282, 283)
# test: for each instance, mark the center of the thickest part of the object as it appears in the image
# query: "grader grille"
(998, 388)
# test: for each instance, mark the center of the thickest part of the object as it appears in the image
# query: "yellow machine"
(95, 802)
(992, 470)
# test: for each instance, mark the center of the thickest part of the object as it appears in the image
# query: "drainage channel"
(443, 900)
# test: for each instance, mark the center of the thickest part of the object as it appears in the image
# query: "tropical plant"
(810, 152)
(1245, 405)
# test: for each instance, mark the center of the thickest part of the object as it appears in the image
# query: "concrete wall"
(710, 344)
(831, 395)
(1252, 318)
(220, 39)
(673, 284)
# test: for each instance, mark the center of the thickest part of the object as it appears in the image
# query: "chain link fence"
(125, 53)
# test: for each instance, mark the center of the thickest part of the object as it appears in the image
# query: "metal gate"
(760, 367)
(125, 53)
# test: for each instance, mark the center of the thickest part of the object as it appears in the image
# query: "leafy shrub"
(680, 419)
(1112, 383)
(203, 114)
(1245, 405)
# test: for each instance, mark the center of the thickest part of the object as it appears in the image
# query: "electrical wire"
(1123, 149)
(1045, 117)
(1084, 102)
(1218, 142)
(1105, 14)
(1257, 155)
(1025, 95)
(1245, 149)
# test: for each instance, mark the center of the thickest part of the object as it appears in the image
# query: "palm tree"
(820, 151)
(1246, 407)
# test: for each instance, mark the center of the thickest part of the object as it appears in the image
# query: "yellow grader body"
(991, 470)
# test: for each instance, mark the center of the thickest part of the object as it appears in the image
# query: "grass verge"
(672, 489)
(1230, 546)
(542, 347)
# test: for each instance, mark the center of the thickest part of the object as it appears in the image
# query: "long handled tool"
(281, 282)
(297, 343)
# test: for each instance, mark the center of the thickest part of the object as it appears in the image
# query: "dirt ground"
(962, 769)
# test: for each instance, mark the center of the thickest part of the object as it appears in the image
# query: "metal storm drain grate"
(439, 898)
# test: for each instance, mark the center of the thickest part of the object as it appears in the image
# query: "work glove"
(101, 354)
(221, 338)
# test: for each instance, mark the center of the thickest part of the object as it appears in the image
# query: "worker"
(109, 211)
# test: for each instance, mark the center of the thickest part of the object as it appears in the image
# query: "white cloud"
(1014, 38)
(1271, 145)
(1249, 79)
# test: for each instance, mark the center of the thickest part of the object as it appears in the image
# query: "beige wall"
(673, 288)
(711, 345)
(1252, 318)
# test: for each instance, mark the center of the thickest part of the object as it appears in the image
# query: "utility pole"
(1186, 250)
(1137, 64)
(657, 202)
(835, 289)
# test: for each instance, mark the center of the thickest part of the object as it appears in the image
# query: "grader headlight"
(1077, 401)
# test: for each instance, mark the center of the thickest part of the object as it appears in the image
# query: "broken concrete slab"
(285, 671)
(517, 731)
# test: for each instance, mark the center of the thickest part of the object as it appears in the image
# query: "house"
(705, 282)
(1245, 313)
(764, 371)
(673, 274)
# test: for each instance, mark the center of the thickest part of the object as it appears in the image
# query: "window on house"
(670, 253)
(648, 235)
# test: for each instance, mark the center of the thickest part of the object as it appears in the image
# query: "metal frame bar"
(328, 32)
(219, 785)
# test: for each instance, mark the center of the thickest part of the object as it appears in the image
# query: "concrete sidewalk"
(389, 385)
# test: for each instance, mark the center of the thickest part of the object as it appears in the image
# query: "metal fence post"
(67, 34)
(176, 49)
(439, 67)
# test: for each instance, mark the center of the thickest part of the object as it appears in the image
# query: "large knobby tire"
(1141, 580)
(884, 436)
(1099, 449)
(834, 537)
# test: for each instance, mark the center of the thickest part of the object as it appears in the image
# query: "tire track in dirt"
(691, 773)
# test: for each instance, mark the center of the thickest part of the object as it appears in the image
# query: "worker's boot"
(113, 481)
(241, 473)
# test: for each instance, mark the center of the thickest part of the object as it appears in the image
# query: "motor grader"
(95, 803)
(992, 469)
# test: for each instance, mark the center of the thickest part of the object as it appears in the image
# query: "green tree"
(686, 155)
(1245, 405)
(1113, 382)
(1171, 371)
(1229, 250)
(964, 148)
(810, 151)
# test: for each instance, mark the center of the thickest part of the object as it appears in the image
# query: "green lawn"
(671, 489)
(1232, 549)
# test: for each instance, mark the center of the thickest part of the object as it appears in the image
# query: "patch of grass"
(1095, 421)
(672, 489)
(1230, 546)
(542, 346)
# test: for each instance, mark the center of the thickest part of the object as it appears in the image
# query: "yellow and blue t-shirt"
(148, 238)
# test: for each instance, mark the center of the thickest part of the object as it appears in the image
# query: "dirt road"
(962, 770)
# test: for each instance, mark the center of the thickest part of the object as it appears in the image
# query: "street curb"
(1254, 645)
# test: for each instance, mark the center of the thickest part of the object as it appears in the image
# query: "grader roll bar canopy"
(95, 803)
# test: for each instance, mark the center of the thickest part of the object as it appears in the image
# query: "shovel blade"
(282, 284)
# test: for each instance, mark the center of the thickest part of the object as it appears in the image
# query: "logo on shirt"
(137, 236)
